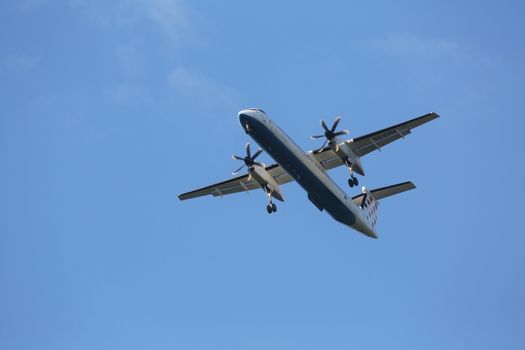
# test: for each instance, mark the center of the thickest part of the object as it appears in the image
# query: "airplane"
(309, 169)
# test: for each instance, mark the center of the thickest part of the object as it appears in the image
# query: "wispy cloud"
(176, 21)
(190, 83)
(171, 16)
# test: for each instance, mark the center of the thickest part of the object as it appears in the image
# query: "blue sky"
(111, 109)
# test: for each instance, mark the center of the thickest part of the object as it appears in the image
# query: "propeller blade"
(342, 132)
(248, 150)
(320, 148)
(237, 157)
(337, 120)
(236, 171)
(256, 154)
(323, 124)
(316, 137)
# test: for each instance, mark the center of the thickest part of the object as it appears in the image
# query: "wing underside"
(328, 158)
(374, 141)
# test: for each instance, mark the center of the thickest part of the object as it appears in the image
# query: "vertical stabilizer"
(370, 205)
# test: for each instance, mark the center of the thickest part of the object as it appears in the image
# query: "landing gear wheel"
(274, 207)
(356, 182)
(351, 182)
(269, 209)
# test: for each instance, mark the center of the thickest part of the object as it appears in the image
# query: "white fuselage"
(306, 170)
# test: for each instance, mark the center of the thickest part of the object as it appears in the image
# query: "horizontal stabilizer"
(383, 192)
(392, 190)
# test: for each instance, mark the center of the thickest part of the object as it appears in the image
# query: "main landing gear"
(271, 207)
(352, 181)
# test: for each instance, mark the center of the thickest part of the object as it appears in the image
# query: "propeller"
(330, 134)
(249, 160)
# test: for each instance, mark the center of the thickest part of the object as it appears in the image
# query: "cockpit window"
(257, 109)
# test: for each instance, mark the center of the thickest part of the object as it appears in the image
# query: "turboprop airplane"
(309, 169)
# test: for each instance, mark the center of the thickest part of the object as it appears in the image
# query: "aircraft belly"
(304, 176)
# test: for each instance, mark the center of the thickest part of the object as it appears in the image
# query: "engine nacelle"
(266, 181)
(344, 151)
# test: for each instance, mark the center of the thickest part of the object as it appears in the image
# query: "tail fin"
(368, 201)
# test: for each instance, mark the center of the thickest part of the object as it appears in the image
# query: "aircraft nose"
(245, 117)
(246, 114)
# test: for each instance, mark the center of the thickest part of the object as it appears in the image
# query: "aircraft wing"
(370, 142)
(365, 144)
(328, 158)
(238, 184)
